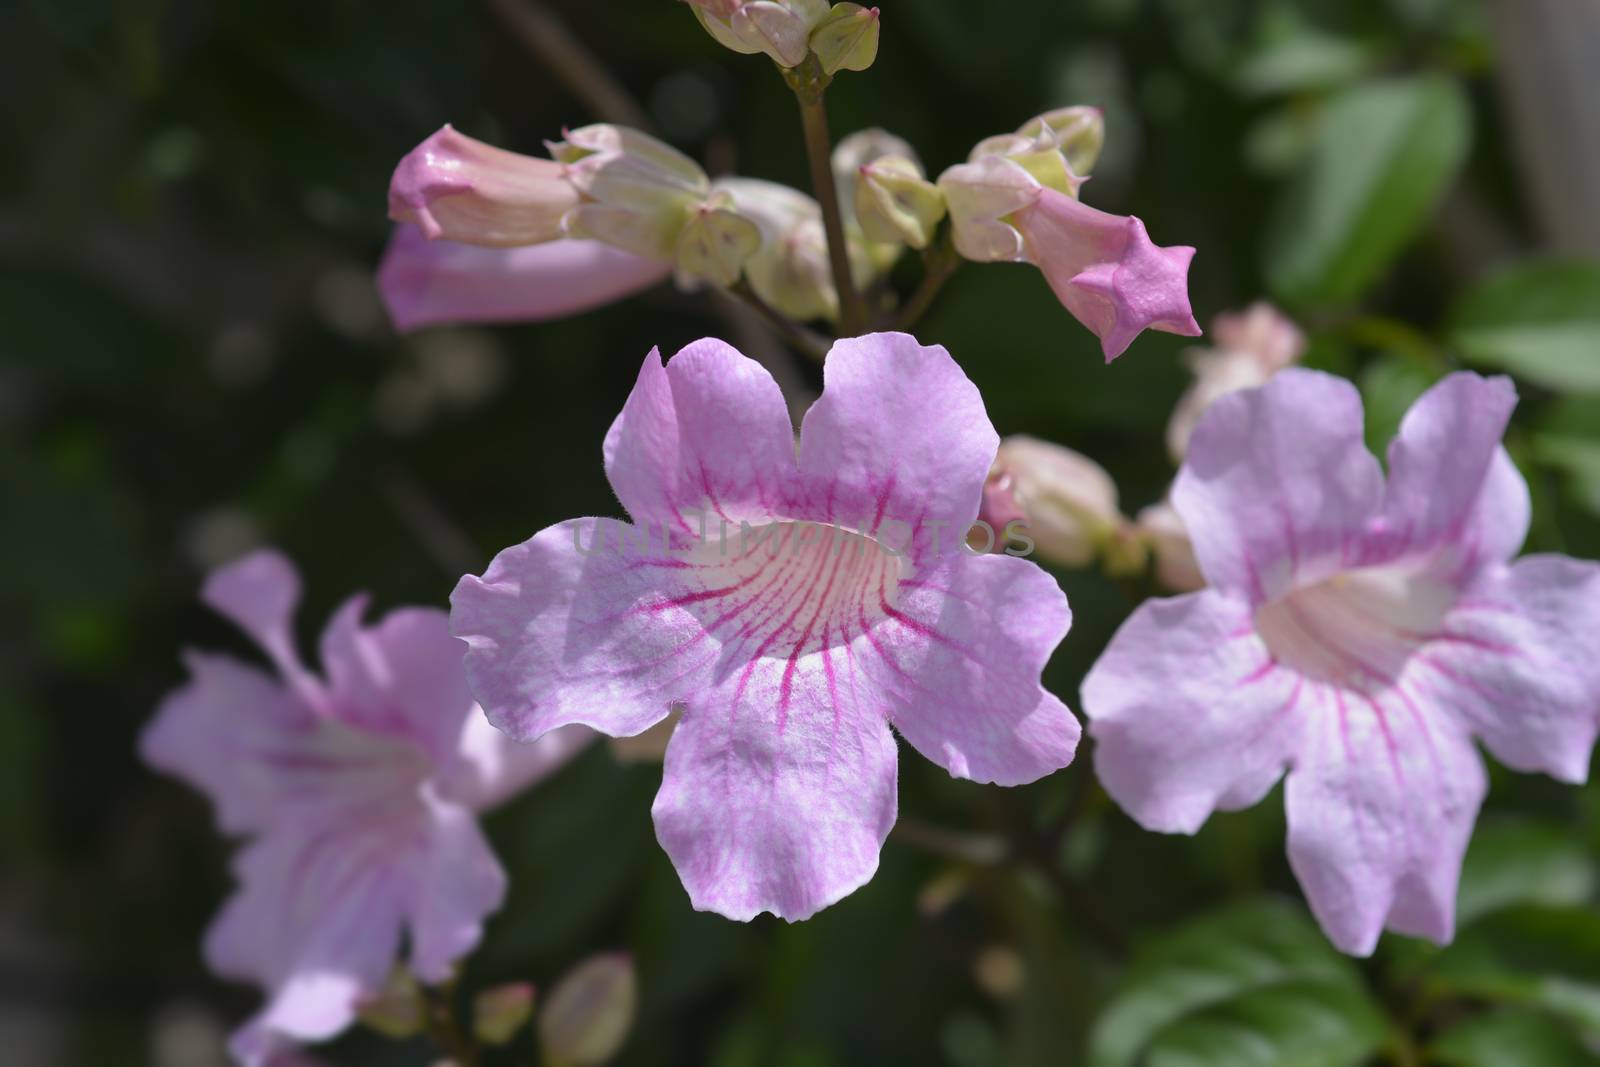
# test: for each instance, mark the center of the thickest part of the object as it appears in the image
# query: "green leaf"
(1515, 862)
(1305, 59)
(1539, 321)
(1385, 153)
(1510, 1038)
(1529, 956)
(1579, 459)
(1389, 386)
(1247, 985)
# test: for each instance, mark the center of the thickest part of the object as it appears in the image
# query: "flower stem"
(442, 1028)
(812, 344)
(809, 82)
(939, 262)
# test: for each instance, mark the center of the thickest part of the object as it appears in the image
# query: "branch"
(809, 83)
(542, 33)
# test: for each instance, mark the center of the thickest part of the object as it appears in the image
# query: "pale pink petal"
(959, 659)
(316, 922)
(455, 883)
(401, 678)
(233, 732)
(1450, 483)
(703, 440)
(1106, 271)
(1277, 485)
(429, 283)
(456, 187)
(576, 626)
(778, 787)
(1189, 712)
(1516, 662)
(494, 767)
(259, 593)
(1381, 803)
(899, 436)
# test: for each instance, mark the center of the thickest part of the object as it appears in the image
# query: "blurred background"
(193, 361)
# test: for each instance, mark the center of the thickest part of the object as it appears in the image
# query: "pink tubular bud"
(462, 189)
(1066, 500)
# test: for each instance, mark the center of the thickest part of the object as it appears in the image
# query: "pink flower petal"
(1106, 271)
(429, 283)
(899, 434)
(231, 732)
(1278, 484)
(959, 659)
(455, 882)
(1381, 803)
(707, 435)
(778, 787)
(494, 767)
(259, 592)
(1189, 713)
(1516, 662)
(460, 188)
(572, 626)
(1449, 479)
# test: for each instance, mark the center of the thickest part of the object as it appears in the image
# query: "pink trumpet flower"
(428, 283)
(359, 788)
(1359, 632)
(838, 600)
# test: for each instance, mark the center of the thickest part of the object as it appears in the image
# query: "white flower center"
(1355, 630)
(790, 587)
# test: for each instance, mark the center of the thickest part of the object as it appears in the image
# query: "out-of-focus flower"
(856, 607)
(1176, 568)
(588, 1014)
(781, 29)
(428, 283)
(360, 788)
(1360, 632)
(846, 38)
(1065, 500)
(790, 269)
(459, 188)
(1250, 347)
(1016, 201)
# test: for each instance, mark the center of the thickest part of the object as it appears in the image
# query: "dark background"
(193, 361)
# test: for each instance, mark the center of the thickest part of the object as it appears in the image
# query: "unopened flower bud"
(638, 192)
(587, 1016)
(1176, 566)
(790, 270)
(498, 1013)
(1058, 148)
(716, 241)
(894, 202)
(847, 38)
(856, 150)
(1251, 346)
(1068, 502)
(780, 29)
(459, 188)
(1079, 133)
(396, 1011)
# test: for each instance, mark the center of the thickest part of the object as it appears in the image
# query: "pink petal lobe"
(1450, 482)
(705, 437)
(582, 624)
(456, 187)
(259, 593)
(959, 659)
(899, 434)
(1381, 804)
(1515, 662)
(430, 283)
(778, 787)
(1278, 485)
(455, 884)
(1106, 271)
(1189, 713)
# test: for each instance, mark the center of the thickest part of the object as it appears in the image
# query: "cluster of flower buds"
(842, 36)
(1016, 199)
